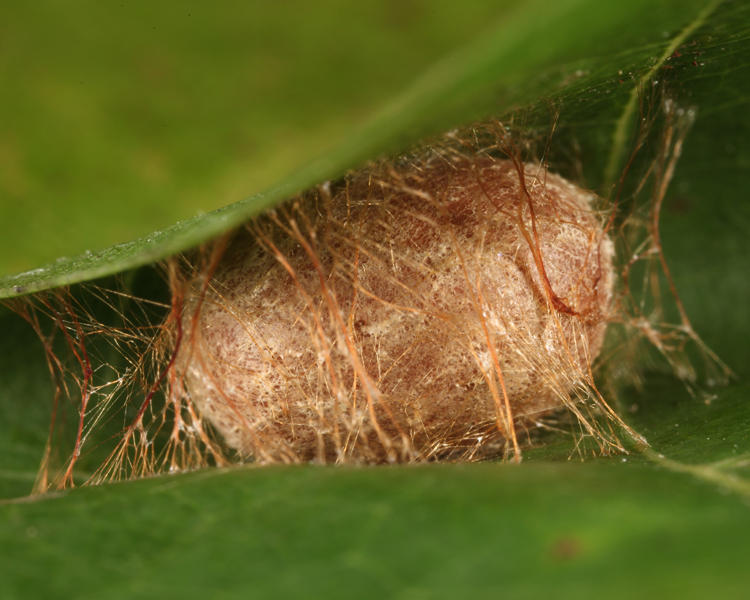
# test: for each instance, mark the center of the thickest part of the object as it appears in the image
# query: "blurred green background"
(118, 119)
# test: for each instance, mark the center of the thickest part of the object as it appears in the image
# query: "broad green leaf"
(156, 114)
(563, 530)
(673, 521)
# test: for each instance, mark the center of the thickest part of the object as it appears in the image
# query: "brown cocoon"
(410, 312)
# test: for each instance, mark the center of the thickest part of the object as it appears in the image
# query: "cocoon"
(420, 310)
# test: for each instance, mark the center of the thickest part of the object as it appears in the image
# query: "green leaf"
(672, 521)
(126, 133)
(431, 531)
